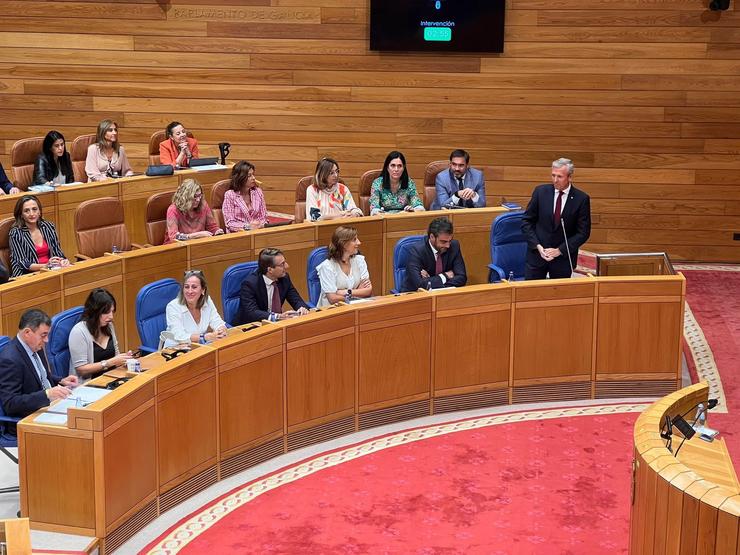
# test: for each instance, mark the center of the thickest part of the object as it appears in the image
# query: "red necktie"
(438, 265)
(558, 206)
(277, 306)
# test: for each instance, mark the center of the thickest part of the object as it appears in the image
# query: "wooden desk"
(711, 461)
(255, 394)
(689, 504)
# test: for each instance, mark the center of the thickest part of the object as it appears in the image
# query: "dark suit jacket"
(421, 258)
(20, 386)
(253, 298)
(5, 183)
(538, 228)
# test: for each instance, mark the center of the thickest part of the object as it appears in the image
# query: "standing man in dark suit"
(437, 261)
(461, 185)
(550, 206)
(263, 293)
(25, 382)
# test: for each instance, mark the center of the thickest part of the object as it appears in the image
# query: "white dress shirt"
(181, 323)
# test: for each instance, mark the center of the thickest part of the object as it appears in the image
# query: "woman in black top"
(93, 345)
(53, 165)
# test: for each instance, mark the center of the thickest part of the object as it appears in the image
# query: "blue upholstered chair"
(151, 305)
(317, 256)
(7, 439)
(401, 258)
(61, 325)
(508, 247)
(231, 285)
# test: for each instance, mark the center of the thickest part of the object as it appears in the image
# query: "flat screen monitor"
(437, 25)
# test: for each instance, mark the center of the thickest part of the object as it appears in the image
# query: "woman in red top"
(34, 243)
(189, 216)
(178, 149)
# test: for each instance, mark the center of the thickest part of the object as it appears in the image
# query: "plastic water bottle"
(511, 277)
(115, 249)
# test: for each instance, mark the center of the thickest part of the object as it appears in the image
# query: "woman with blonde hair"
(344, 273)
(189, 216)
(328, 198)
(106, 158)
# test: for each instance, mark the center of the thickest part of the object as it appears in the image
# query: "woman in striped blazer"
(34, 243)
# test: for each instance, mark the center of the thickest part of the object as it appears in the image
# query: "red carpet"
(714, 298)
(511, 484)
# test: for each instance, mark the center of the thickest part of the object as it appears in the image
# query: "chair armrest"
(12, 419)
(495, 273)
(135, 246)
(80, 257)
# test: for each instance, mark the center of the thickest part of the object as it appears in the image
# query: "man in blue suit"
(263, 293)
(436, 261)
(556, 211)
(461, 185)
(26, 384)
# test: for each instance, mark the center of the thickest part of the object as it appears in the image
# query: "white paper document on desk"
(81, 397)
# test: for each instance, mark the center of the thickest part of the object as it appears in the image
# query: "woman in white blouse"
(344, 272)
(192, 316)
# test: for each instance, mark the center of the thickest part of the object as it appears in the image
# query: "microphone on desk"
(689, 430)
(699, 425)
(567, 247)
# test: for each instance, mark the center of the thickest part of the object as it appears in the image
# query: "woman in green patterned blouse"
(393, 191)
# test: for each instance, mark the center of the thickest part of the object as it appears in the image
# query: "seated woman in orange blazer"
(178, 149)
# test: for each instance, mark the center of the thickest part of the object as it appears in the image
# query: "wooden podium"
(634, 264)
(686, 504)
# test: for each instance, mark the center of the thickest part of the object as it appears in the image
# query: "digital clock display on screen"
(437, 25)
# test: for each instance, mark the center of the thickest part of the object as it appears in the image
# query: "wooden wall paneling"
(728, 526)
(251, 403)
(632, 318)
(320, 369)
(33, 291)
(186, 409)
(49, 471)
(130, 465)
(404, 329)
(538, 315)
(472, 341)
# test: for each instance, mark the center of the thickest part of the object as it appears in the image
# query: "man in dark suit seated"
(461, 185)
(26, 384)
(263, 293)
(437, 261)
(556, 211)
